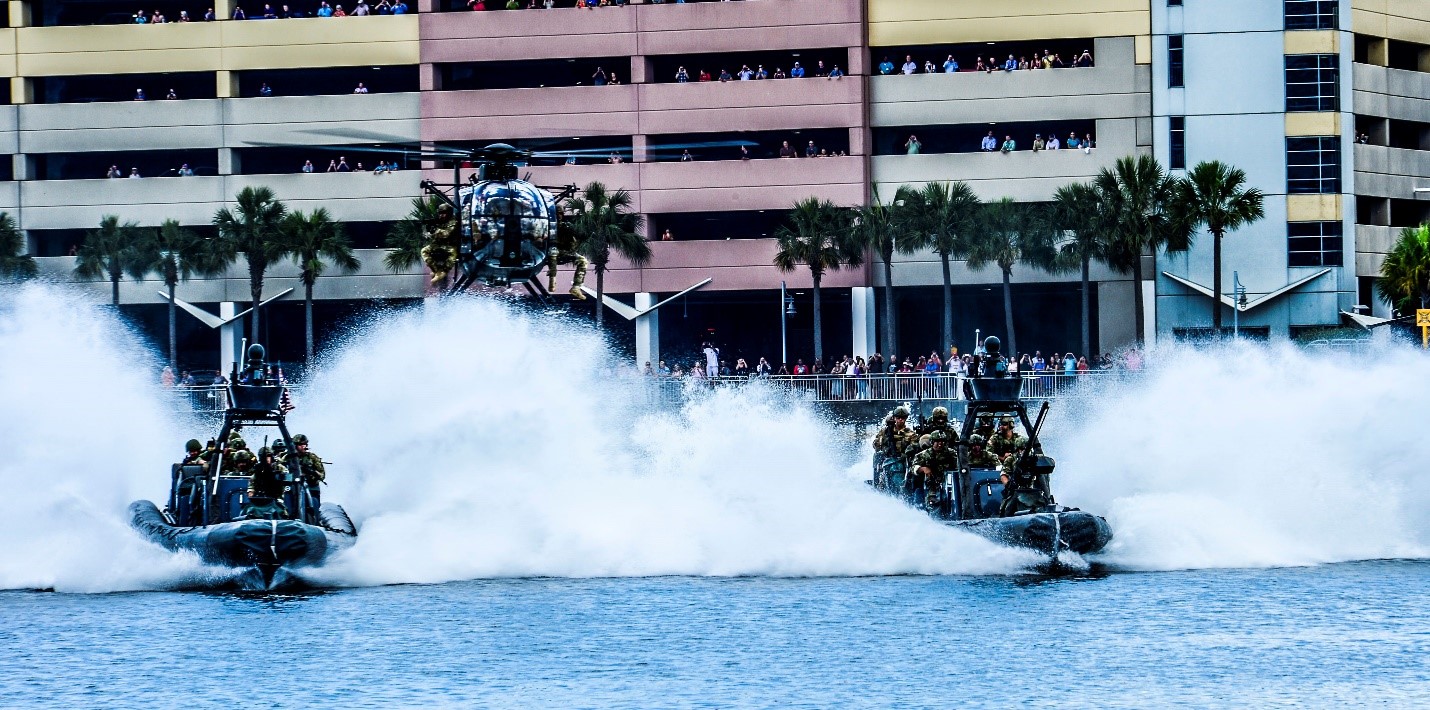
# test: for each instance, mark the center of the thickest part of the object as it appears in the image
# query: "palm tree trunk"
(889, 332)
(1137, 297)
(255, 289)
(114, 276)
(308, 318)
(1086, 309)
(1012, 350)
(173, 333)
(818, 329)
(1216, 283)
(600, 293)
(947, 303)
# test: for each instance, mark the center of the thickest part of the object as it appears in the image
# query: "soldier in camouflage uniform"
(1022, 489)
(931, 464)
(440, 252)
(983, 425)
(1007, 442)
(564, 251)
(194, 454)
(978, 455)
(266, 487)
(890, 445)
(236, 451)
(938, 421)
(309, 465)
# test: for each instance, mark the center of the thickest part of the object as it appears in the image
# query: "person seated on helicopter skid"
(938, 421)
(1025, 488)
(890, 445)
(930, 466)
(266, 487)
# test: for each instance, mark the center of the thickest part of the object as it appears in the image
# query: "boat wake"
(470, 440)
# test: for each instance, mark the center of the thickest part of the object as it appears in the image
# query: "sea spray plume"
(474, 441)
(1251, 455)
(83, 431)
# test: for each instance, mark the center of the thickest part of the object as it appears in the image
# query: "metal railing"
(888, 387)
(206, 399)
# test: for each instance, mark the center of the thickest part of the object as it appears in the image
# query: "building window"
(1312, 82)
(1311, 14)
(1177, 143)
(1174, 61)
(1314, 244)
(1174, 3)
(1313, 164)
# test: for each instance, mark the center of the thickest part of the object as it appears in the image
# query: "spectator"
(666, 236)
(209, 15)
(819, 70)
(746, 73)
(1072, 142)
(361, 9)
(1053, 143)
(886, 67)
(265, 90)
(912, 145)
(780, 73)
(725, 75)
(400, 8)
(1039, 143)
(810, 150)
(989, 143)
(599, 78)
(382, 8)
(183, 16)
(1087, 144)
(186, 171)
(1023, 63)
(324, 10)
(979, 65)
(797, 71)
(134, 173)
(910, 67)
(742, 368)
(760, 73)
(114, 172)
(836, 72)
(950, 65)
(138, 94)
(1084, 59)
(140, 18)
(615, 80)
(800, 368)
(359, 89)
(339, 12)
(744, 153)
(1009, 145)
(166, 378)
(929, 67)
(681, 76)
(1011, 64)
(359, 168)
(332, 166)
(307, 166)
(1082, 365)
(704, 75)
(269, 13)
(762, 368)
(238, 13)
(686, 157)
(787, 152)
(342, 165)
(172, 95)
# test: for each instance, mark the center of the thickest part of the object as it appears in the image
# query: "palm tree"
(409, 235)
(937, 217)
(109, 251)
(1008, 234)
(15, 264)
(880, 229)
(1405, 273)
(1078, 211)
(1212, 196)
(253, 230)
(175, 254)
(821, 236)
(1138, 197)
(312, 240)
(604, 224)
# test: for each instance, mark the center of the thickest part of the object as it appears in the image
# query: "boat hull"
(1050, 533)
(265, 545)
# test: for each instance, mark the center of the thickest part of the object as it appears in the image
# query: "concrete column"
(647, 332)
(229, 336)
(228, 162)
(863, 314)
(858, 141)
(223, 9)
(19, 13)
(227, 86)
(638, 148)
(22, 167)
(427, 79)
(640, 70)
(22, 90)
(1149, 312)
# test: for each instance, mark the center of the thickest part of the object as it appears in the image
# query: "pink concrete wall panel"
(529, 113)
(751, 105)
(738, 264)
(499, 36)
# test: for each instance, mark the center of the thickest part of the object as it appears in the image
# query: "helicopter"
(495, 228)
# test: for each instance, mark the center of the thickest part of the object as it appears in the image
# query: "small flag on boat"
(285, 403)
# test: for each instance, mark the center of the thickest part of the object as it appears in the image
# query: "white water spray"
(1251, 456)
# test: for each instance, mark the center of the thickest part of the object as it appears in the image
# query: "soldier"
(938, 421)
(891, 443)
(1007, 442)
(231, 456)
(266, 487)
(440, 252)
(564, 251)
(194, 454)
(931, 463)
(983, 425)
(211, 450)
(978, 456)
(1022, 488)
(309, 466)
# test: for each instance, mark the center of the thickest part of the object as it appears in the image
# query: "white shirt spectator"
(910, 67)
(712, 361)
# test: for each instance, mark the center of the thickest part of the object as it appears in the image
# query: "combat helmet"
(193, 446)
(237, 442)
(242, 457)
(300, 439)
(938, 435)
(900, 413)
(977, 440)
(939, 413)
(264, 452)
(1005, 421)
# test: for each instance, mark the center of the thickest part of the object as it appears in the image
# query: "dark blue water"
(1336, 635)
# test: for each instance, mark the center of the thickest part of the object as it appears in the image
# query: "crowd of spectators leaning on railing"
(283, 12)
